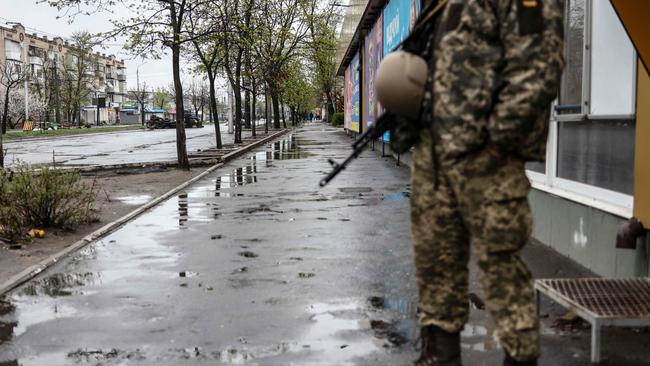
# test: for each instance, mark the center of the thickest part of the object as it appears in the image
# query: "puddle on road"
(137, 200)
(60, 284)
(287, 149)
(341, 330)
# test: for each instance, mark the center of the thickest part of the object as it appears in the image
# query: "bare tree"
(207, 49)
(140, 95)
(154, 23)
(79, 74)
(12, 75)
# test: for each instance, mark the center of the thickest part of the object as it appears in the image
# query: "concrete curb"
(34, 270)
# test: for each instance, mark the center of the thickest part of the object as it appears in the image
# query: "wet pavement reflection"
(252, 264)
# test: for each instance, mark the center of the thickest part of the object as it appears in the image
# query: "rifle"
(415, 43)
(381, 125)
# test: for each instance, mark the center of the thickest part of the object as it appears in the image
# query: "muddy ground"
(119, 193)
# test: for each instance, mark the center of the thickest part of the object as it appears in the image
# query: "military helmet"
(401, 79)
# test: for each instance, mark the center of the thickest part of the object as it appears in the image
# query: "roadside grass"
(42, 199)
(67, 132)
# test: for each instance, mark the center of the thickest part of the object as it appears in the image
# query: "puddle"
(388, 332)
(183, 213)
(248, 254)
(399, 196)
(400, 305)
(305, 142)
(98, 355)
(339, 332)
(33, 313)
(135, 200)
(287, 149)
(355, 189)
(6, 331)
(60, 284)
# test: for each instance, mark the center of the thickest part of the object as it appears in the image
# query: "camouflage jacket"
(497, 69)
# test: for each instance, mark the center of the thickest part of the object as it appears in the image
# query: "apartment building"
(106, 74)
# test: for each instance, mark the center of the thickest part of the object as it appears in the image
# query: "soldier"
(494, 69)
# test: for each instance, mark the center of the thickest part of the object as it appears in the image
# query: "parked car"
(192, 121)
(161, 123)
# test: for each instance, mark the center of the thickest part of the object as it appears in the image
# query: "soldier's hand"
(493, 151)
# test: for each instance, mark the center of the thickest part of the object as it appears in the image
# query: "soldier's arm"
(531, 32)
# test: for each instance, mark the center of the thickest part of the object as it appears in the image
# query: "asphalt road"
(135, 146)
(257, 265)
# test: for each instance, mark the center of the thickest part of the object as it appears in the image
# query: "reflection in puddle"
(341, 329)
(59, 284)
(335, 326)
(287, 149)
(135, 200)
(182, 210)
(33, 313)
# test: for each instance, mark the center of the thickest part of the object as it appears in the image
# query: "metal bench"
(603, 302)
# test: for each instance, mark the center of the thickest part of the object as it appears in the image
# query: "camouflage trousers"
(482, 200)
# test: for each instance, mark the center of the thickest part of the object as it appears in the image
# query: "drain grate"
(605, 297)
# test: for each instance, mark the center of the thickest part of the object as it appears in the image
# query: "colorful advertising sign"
(356, 94)
(399, 17)
(373, 55)
(347, 97)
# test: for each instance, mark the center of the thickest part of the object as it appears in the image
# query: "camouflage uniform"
(496, 68)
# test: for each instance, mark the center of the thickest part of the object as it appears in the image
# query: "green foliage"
(161, 99)
(338, 119)
(47, 198)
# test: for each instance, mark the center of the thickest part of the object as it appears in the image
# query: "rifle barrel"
(375, 131)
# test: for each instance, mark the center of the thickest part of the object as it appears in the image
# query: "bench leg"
(595, 342)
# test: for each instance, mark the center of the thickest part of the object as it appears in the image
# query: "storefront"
(594, 178)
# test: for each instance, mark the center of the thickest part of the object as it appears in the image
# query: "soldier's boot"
(509, 361)
(439, 348)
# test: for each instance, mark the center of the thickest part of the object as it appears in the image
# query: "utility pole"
(141, 95)
(57, 95)
(27, 72)
(230, 109)
(97, 101)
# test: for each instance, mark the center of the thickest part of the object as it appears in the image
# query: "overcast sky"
(42, 19)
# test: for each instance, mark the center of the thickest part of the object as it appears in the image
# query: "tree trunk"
(214, 111)
(330, 107)
(284, 119)
(238, 115)
(253, 112)
(2, 153)
(181, 148)
(268, 112)
(4, 112)
(276, 110)
(247, 109)
(142, 115)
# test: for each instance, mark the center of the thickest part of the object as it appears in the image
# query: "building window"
(570, 100)
(592, 135)
(598, 153)
(13, 51)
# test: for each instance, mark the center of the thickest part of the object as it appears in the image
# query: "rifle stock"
(383, 124)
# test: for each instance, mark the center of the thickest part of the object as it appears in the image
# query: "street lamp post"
(230, 108)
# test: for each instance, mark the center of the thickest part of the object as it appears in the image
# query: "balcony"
(121, 77)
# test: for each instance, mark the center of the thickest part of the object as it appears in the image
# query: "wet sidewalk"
(256, 265)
